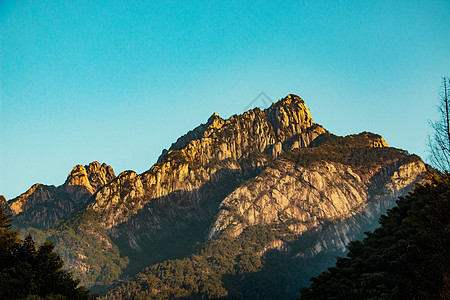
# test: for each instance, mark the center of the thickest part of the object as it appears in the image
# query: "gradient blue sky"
(118, 81)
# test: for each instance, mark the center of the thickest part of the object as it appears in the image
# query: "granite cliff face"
(84, 181)
(323, 191)
(178, 197)
(42, 205)
(238, 144)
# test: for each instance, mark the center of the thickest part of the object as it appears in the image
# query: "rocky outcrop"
(42, 205)
(84, 181)
(183, 189)
(217, 145)
(37, 194)
(324, 192)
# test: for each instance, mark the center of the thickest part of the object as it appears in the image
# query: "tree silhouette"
(30, 272)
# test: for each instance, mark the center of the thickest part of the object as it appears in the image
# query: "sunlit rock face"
(263, 167)
(176, 188)
(323, 193)
(84, 181)
(42, 205)
(272, 168)
(239, 145)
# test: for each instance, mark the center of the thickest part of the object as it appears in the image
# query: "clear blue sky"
(118, 81)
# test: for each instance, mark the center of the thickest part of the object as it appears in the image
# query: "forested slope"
(406, 258)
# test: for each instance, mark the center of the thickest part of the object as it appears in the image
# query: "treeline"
(31, 272)
(83, 235)
(408, 257)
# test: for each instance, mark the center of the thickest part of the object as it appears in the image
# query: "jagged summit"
(254, 175)
(286, 118)
(213, 117)
(219, 145)
(86, 180)
(42, 205)
(37, 192)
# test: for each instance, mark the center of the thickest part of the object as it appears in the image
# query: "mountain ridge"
(216, 141)
(42, 205)
(275, 173)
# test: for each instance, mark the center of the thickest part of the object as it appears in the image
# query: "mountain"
(246, 207)
(271, 233)
(331, 185)
(42, 205)
(207, 155)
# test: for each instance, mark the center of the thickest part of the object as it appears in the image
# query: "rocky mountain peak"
(78, 177)
(42, 205)
(37, 192)
(99, 175)
(288, 116)
(213, 117)
(271, 168)
(238, 144)
(376, 140)
(86, 180)
(215, 121)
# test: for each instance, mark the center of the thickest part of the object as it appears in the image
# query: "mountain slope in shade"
(42, 205)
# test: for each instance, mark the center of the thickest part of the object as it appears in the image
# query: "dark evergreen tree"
(30, 272)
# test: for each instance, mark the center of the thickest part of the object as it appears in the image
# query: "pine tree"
(30, 272)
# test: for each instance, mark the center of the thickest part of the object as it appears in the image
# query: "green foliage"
(83, 236)
(30, 272)
(406, 258)
(8, 238)
(202, 274)
(38, 235)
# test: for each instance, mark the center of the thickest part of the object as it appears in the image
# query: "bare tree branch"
(439, 143)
